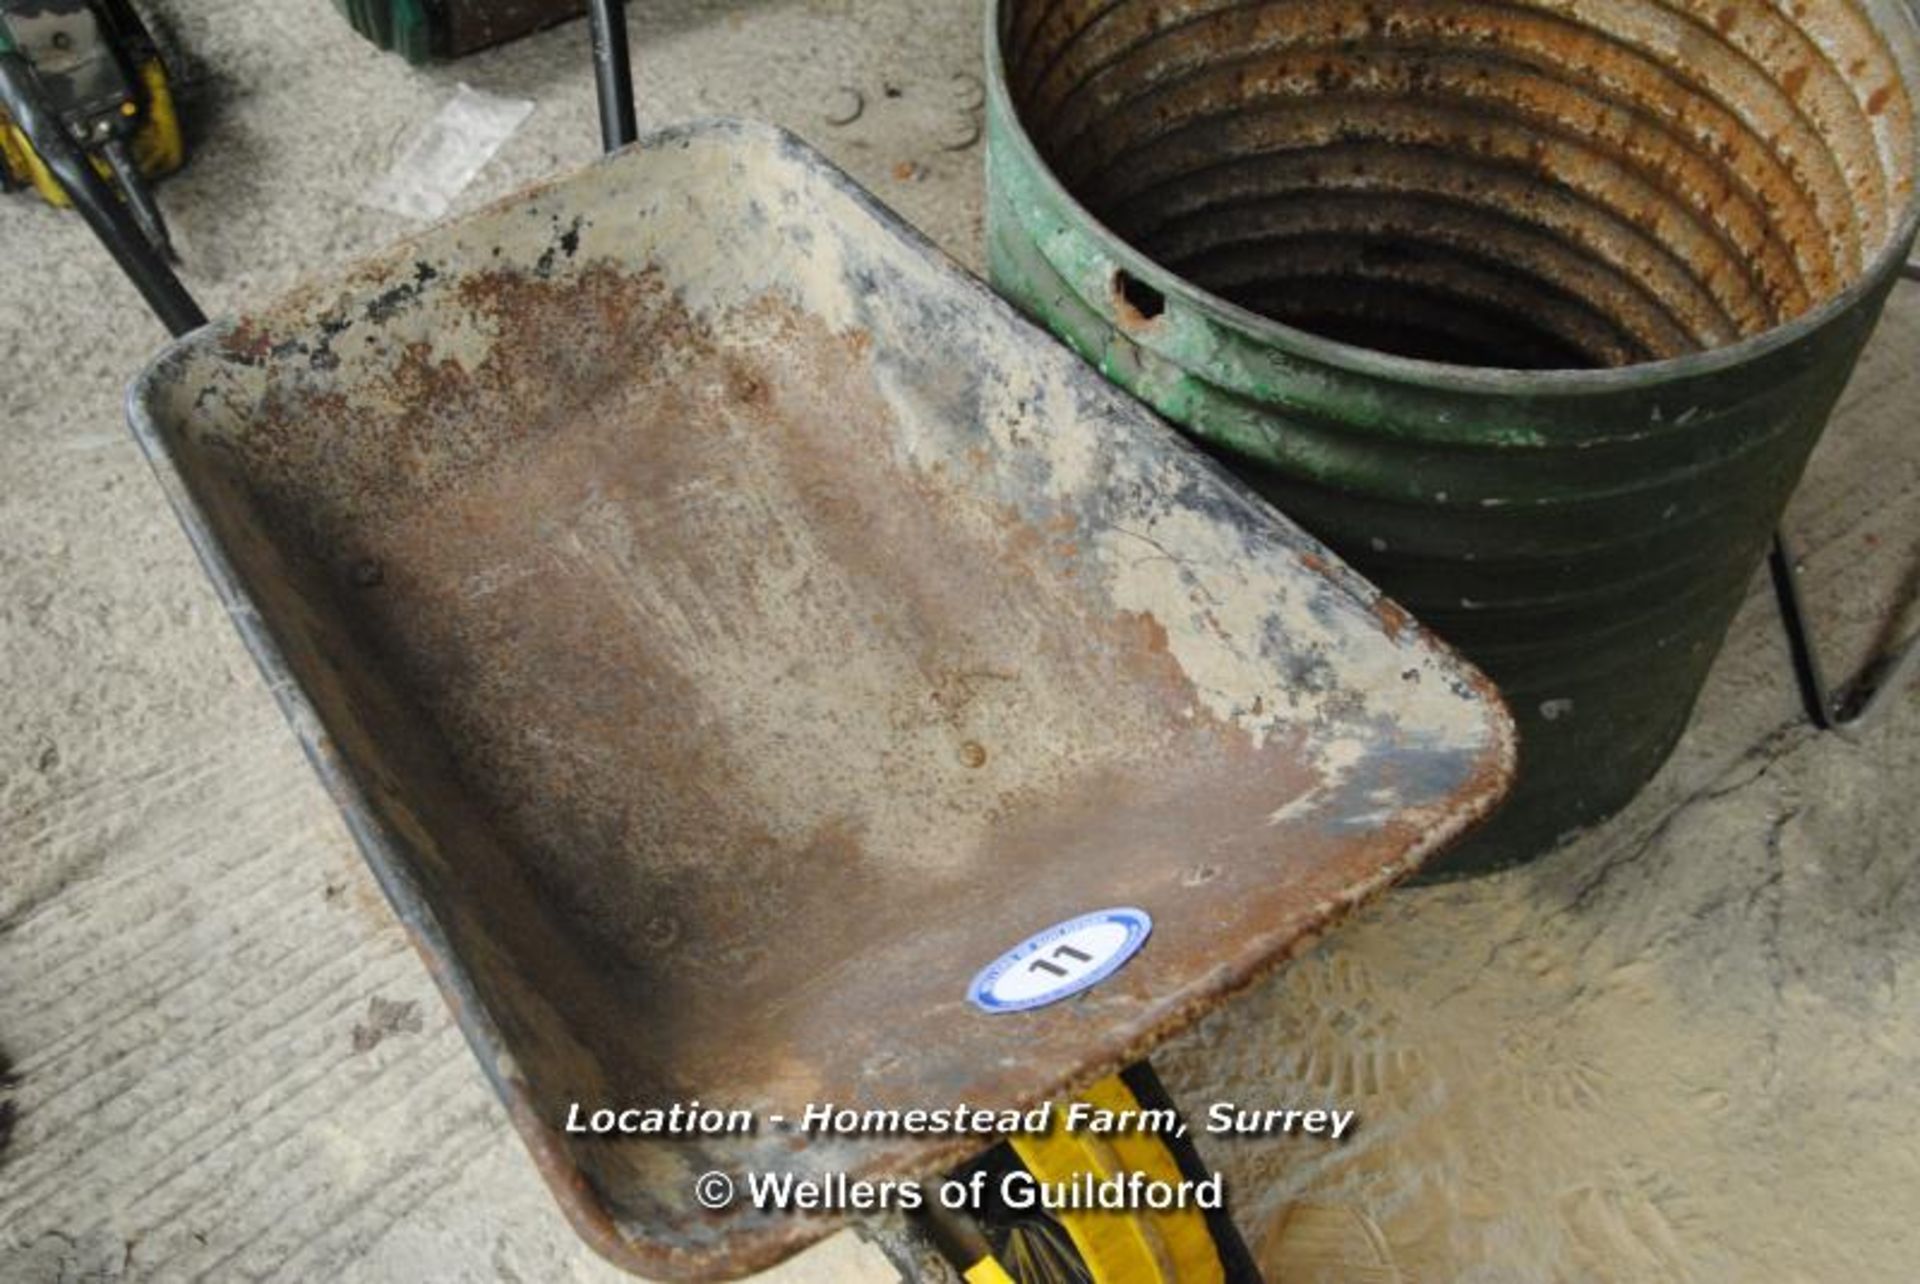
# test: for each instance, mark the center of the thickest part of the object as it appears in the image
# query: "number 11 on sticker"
(1066, 959)
(1059, 952)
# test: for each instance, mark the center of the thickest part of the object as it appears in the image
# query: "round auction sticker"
(1062, 961)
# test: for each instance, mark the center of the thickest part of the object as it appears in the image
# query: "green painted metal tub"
(1532, 311)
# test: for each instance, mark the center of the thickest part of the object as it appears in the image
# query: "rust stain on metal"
(1393, 617)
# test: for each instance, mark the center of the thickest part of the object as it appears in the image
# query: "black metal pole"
(97, 202)
(612, 72)
(1853, 706)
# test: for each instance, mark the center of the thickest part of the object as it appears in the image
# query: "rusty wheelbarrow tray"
(726, 626)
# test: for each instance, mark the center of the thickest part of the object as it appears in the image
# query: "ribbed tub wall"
(1546, 186)
(1525, 185)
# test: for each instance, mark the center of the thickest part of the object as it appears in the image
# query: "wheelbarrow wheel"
(1133, 1246)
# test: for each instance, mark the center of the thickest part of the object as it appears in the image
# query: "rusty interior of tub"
(727, 628)
(1564, 184)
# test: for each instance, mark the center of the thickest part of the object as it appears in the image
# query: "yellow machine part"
(1126, 1247)
(158, 148)
(987, 1271)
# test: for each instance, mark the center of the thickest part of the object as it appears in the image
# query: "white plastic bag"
(442, 158)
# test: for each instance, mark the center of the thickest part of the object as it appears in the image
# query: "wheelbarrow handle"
(612, 73)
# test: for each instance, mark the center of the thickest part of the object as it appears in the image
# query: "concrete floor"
(1684, 1049)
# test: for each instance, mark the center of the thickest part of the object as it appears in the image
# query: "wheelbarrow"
(747, 653)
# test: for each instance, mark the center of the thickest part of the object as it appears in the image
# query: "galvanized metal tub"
(1309, 232)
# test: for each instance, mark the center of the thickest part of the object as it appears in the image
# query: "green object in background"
(432, 30)
(1584, 536)
(398, 26)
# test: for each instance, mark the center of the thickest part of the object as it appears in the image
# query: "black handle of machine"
(96, 200)
(612, 72)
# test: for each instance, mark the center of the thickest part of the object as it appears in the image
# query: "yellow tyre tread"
(1134, 1247)
(1184, 1231)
